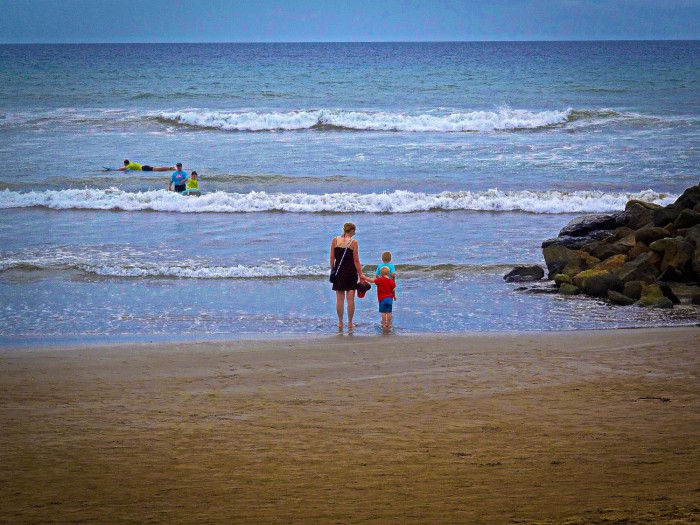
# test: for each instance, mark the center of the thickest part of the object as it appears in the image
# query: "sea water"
(459, 158)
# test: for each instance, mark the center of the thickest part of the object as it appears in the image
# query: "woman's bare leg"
(339, 304)
(350, 294)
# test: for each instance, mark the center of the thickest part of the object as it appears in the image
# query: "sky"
(89, 21)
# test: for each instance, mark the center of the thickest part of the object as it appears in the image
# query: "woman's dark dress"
(347, 273)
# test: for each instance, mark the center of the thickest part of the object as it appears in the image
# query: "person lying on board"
(134, 166)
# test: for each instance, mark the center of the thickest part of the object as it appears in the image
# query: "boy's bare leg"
(164, 168)
(388, 320)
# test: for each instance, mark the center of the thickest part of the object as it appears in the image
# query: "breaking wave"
(493, 200)
(97, 266)
(502, 119)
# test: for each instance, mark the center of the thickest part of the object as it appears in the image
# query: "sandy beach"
(535, 428)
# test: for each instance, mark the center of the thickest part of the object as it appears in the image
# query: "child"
(386, 295)
(192, 185)
(386, 263)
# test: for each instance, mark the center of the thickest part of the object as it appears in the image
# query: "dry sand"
(571, 428)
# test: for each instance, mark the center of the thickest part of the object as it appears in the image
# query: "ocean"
(458, 157)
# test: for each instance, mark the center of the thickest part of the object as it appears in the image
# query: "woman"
(345, 256)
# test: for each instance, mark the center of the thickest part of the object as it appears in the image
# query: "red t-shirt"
(385, 288)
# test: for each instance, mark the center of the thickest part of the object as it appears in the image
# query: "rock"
(608, 247)
(581, 278)
(633, 289)
(637, 250)
(521, 274)
(668, 293)
(576, 243)
(687, 219)
(581, 226)
(638, 214)
(689, 198)
(677, 256)
(650, 234)
(599, 285)
(612, 264)
(653, 297)
(561, 278)
(641, 268)
(685, 293)
(619, 299)
(692, 236)
(580, 262)
(622, 232)
(666, 215)
(568, 289)
(641, 254)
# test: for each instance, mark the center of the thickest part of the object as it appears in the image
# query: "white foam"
(503, 118)
(196, 270)
(548, 201)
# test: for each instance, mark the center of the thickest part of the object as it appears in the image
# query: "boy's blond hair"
(384, 271)
(386, 257)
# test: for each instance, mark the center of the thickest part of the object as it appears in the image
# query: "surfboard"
(107, 168)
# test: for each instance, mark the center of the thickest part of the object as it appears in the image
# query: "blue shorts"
(385, 305)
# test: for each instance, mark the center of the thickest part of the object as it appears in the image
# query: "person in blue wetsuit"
(178, 180)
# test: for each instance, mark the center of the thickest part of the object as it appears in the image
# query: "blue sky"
(25, 21)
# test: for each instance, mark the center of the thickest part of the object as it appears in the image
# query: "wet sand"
(534, 428)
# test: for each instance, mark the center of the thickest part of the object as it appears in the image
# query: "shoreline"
(20, 343)
(598, 426)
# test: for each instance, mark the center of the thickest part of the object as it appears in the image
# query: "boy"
(386, 263)
(386, 295)
(192, 186)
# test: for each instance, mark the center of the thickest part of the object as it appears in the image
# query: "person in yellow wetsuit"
(192, 187)
(134, 166)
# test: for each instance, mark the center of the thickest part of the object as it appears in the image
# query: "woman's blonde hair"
(348, 227)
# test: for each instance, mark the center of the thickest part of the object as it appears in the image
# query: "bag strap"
(343, 257)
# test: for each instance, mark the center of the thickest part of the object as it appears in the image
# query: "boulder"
(677, 256)
(609, 247)
(622, 232)
(581, 226)
(637, 250)
(581, 278)
(633, 289)
(668, 293)
(599, 285)
(561, 278)
(642, 268)
(556, 257)
(580, 262)
(576, 243)
(687, 219)
(612, 264)
(666, 215)
(619, 299)
(685, 293)
(568, 289)
(639, 214)
(653, 297)
(692, 235)
(695, 263)
(521, 274)
(689, 198)
(650, 234)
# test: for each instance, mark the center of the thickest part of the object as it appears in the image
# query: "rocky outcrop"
(643, 255)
